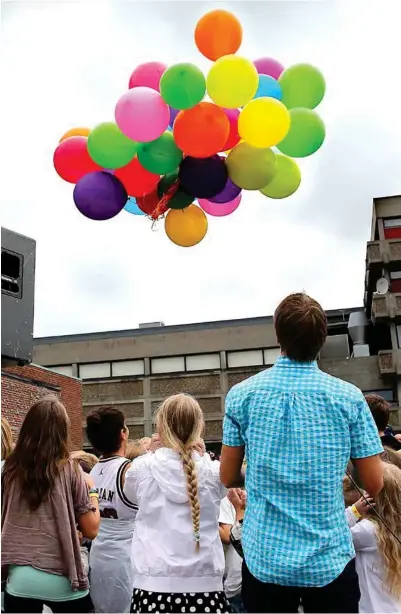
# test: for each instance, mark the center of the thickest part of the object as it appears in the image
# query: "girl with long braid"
(178, 555)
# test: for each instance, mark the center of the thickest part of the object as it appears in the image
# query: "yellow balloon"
(186, 227)
(251, 168)
(75, 132)
(232, 82)
(264, 122)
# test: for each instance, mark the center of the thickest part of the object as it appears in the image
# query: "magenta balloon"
(142, 115)
(269, 66)
(220, 209)
(147, 75)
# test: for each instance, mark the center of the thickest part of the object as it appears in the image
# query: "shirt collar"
(288, 363)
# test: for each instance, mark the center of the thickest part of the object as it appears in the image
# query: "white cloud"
(66, 64)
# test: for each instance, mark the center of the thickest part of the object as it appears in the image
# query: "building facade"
(136, 369)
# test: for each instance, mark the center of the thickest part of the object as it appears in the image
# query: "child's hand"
(363, 507)
(237, 497)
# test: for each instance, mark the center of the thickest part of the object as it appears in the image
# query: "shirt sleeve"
(351, 518)
(227, 512)
(364, 534)
(365, 440)
(232, 435)
(80, 492)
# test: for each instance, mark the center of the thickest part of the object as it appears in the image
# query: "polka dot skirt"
(161, 603)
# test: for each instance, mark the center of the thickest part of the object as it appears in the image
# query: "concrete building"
(136, 369)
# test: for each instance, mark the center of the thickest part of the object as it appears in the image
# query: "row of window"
(173, 364)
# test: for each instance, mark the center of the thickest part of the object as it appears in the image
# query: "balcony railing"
(383, 252)
(386, 307)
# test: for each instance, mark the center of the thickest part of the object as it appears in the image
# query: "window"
(203, 362)
(271, 355)
(392, 228)
(63, 370)
(175, 364)
(395, 281)
(127, 367)
(247, 358)
(94, 370)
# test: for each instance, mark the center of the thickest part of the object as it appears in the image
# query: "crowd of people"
(301, 513)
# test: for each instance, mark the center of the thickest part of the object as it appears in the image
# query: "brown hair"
(40, 452)
(380, 410)
(388, 506)
(391, 456)
(85, 460)
(6, 439)
(104, 426)
(180, 424)
(301, 327)
(134, 449)
(350, 492)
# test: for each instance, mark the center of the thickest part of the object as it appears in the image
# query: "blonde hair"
(134, 449)
(6, 439)
(85, 460)
(145, 442)
(388, 506)
(179, 423)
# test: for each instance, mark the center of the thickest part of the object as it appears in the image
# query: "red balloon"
(136, 179)
(233, 136)
(202, 131)
(148, 203)
(72, 160)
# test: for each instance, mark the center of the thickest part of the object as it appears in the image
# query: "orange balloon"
(202, 131)
(75, 132)
(218, 33)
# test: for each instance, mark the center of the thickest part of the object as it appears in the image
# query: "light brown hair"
(40, 452)
(6, 439)
(180, 424)
(380, 410)
(134, 449)
(350, 492)
(85, 460)
(388, 506)
(392, 457)
(301, 327)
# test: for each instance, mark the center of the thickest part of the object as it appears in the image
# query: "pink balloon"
(220, 209)
(142, 115)
(147, 75)
(268, 66)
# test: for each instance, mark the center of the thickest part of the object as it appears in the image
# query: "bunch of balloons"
(184, 147)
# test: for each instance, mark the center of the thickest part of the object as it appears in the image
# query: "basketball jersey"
(110, 561)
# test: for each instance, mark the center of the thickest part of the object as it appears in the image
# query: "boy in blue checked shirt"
(299, 427)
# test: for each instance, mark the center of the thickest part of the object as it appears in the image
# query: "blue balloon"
(132, 207)
(268, 87)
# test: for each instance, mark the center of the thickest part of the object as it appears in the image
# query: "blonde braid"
(192, 486)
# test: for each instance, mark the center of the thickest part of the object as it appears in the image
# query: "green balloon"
(306, 134)
(302, 85)
(181, 198)
(182, 86)
(160, 156)
(286, 181)
(109, 147)
(251, 168)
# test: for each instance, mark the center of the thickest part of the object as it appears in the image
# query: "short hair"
(380, 410)
(134, 449)
(103, 428)
(301, 327)
(85, 460)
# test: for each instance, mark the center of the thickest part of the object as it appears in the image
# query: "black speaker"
(17, 297)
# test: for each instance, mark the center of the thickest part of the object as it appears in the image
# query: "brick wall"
(22, 386)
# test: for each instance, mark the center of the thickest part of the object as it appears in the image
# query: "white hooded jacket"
(164, 549)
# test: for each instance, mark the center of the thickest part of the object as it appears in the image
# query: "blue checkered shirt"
(299, 427)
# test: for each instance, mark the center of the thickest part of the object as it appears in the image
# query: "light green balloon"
(286, 180)
(305, 136)
(302, 85)
(182, 86)
(161, 156)
(251, 168)
(109, 147)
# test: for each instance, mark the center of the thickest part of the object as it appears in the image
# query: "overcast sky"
(65, 64)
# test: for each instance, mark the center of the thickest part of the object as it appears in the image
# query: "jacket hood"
(167, 470)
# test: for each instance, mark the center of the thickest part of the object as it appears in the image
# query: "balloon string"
(162, 206)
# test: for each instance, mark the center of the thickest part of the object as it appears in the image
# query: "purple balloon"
(100, 196)
(228, 193)
(269, 66)
(173, 115)
(203, 177)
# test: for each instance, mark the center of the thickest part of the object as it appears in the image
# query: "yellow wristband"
(94, 494)
(356, 512)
